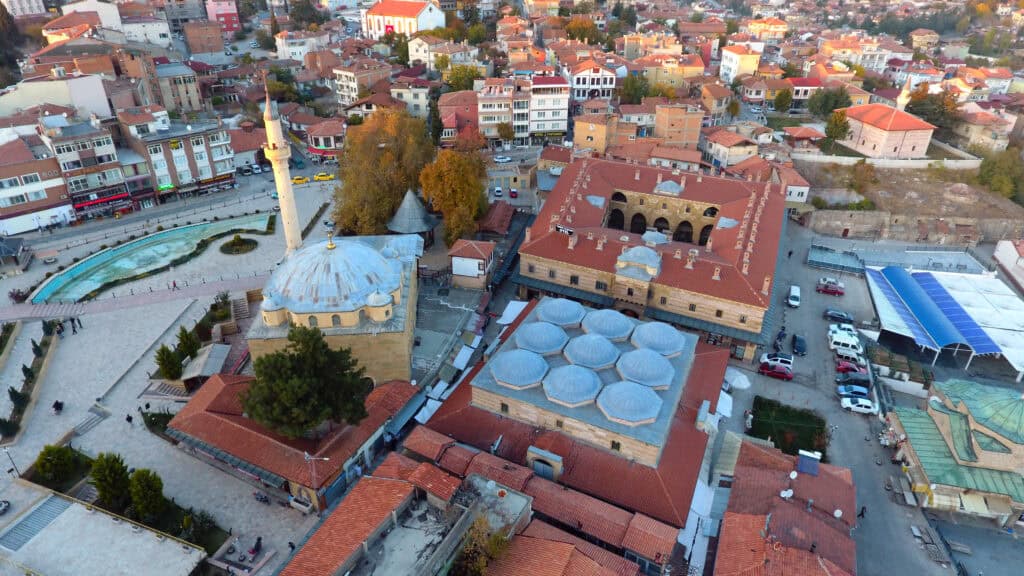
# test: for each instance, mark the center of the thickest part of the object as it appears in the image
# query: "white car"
(256, 169)
(847, 328)
(755, 109)
(859, 405)
(502, 159)
(777, 358)
(497, 192)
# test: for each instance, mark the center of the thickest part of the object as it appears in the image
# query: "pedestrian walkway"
(60, 310)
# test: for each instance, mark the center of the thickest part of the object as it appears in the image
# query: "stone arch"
(638, 223)
(616, 219)
(705, 234)
(662, 225)
(684, 232)
(711, 212)
(312, 321)
(618, 197)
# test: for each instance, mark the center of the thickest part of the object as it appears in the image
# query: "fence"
(962, 164)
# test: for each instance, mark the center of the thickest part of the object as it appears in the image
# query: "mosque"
(359, 291)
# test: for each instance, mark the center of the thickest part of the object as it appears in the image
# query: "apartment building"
(590, 80)
(224, 12)
(179, 90)
(767, 30)
(89, 164)
(32, 190)
(425, 49)
(356, 74)
(670, 70)
(25, 7)
(738, 60)
(637, 45)
(678, 124)
(184, 158)
(549, 108)
(537, 108)
(415, 94)
(295, 44)
(715, 98)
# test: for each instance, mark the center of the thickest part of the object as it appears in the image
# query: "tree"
(791, 70)
(168, 363)
(938, 109)
(382, 160)
(265, 41)
(461, 77)
(823, 102)
(188, 342)
(147, 492)
(37, 350)
(55, 463)
(436, 125)
(401, 47)
(783, 100)
(584, 7)
(304, 13)
(733, 108)
(617, 10)
(1003, 172)
(481, 548)
(634, 88)
(583, 29)
(110, 478)
(306, 384)
(506, 132)
(661, 89)
(454, 184)
(697, 17)
(441, 62)
(838, 127)
(10, 40)
(468, 140)
(476, 33)
(732, 26)
(274, 26)
(629, 16)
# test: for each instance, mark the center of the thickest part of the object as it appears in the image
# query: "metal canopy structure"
(941, 310)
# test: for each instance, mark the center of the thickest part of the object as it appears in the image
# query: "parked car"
(859, 405)
(837, 315)
(755, 109)
(857, 378)
(799, 345)
(844, 366)
(852, 391)
(274, 194)
(265, 166)
(775, 371)
(5, 505)
(777, 358)
(513, 193)
(323, 177)
(793, 300)
(844, 328)
(497, 192)
(502, 159)
(300, 179)
(830, 286)
(245, 170)
(256, 169)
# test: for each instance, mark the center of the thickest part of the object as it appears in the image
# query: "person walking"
(74, 328)
(863, 510)
(79, 320)
(128, 419)
(790, 254)
(60, 330)
(174, 285)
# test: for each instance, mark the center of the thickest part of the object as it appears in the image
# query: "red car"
(830, 286)
(775, 371)
(844, 367)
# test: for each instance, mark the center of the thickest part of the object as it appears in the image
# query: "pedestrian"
(79, 320)
(863, 510)
(790, 254)
(60, 331)
(174, 285)
(74, 329)
(147, 406)
(128, 419)
(291, 546)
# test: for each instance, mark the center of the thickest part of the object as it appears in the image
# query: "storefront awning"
(944, 502)
(974, 503)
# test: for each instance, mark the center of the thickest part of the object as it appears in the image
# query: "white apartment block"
(426, 49)
(549, 107)
(537, 109)
(295, 44)
(415, 94)
(589, 80)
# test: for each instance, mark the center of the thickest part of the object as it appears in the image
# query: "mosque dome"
(349, 277)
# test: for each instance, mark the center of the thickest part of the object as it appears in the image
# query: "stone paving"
(21, 353)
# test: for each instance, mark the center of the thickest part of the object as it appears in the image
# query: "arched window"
(618, 197)
(661, 225)
(335, 320)
(705, 234)
(312, 321)
(638, 224)
(711, 212)
(684, 232)
(616, 219)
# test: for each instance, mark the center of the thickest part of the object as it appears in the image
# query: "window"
(574, 280)
(531, 268)
(693, 307)
(9, 183)
(718, 313)
(155, 150)
(551, 273)
(616, 446)
(663, 300)
(30, 178)
(559, 424)
(504, 408)
(37, 195)
(13, 200)
(600, 286)
(200, 155)
(629, 291)
(743, 319)
(312, 321)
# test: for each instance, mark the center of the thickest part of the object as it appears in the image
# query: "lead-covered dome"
(316, 279)
(660, 337)
(629, 403)
(541, 337)
(611, 324)
(518, 368)
(646, 367)
(591, 351)
(561, 311)
(572, 385)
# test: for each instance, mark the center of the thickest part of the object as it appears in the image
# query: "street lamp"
(15, 466)
(309, 458)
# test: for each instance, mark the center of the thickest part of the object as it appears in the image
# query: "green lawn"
(791, 429)
(936, 153)
(779, 122)
(83, 465)
(837, 149)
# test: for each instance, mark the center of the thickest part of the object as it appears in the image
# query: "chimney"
(678, 254)
(691, 257)
(700, 177)
(636, 176)
(766, 286)
(248, 126)
(659, 177)
(573, 240)
(707, 247)
(718, 273)
(600, 243)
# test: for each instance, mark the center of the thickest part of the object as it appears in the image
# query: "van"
(794, 297)
(842, 341)
(850, 357)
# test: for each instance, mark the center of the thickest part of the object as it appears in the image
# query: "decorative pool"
(138, 257)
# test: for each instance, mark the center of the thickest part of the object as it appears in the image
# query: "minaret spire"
(904, 97)
(277, 150)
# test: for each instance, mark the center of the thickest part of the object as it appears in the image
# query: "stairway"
(239, 308)
(96, 415)
(34, 522)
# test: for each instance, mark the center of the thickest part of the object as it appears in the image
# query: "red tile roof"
(617, 564)
(729, 139)
(498, 218)
(242, 141)
(559, 154)
(539, 557)
(803, 133)
(662, 493)
(584, 513)
(650, 538)
(498, 469)
(15, 152)
(742, 551)
(71, 20)
(427, 443)
(355, 520)
(397, 8)
(752, 243)
(886, 118)
(327, 128)
(476, 249)
(432, 479)
(396, 467)
(214, 416)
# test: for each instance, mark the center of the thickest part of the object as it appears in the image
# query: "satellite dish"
(838, 513)
(782, 494)
(793, 475)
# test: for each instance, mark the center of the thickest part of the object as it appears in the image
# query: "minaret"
(904, 98)
(277, 151)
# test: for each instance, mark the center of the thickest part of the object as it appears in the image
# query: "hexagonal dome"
(647, 367)
(561, 311)
(572, 386)
(541, 337)
(611, 324)
(591, 351)
(660, 337)
(629, 403)
(518, 368)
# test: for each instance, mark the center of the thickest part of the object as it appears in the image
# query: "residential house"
(900, 71)
(472, 262)
(326, 140)
(670, 70)
(736, 61)
(68, 26)
(88, 163)
(224, 12)
(145, 26)
(295, 44)
(246, 142)
(988, 129)
(401, 17)
(715, 98)
(723, 148)
(32, 189)
(829, 71)
(924, 39)
(357, 75)
(179, 89)
(425, 49)
(678, 123)
(768, 30)
(541, 7)
(753, 89)
(803, 88)
(19, 8)
(649, 43)
(365, 107)
(458, 112)
(878, 131)
(590, 80)
(676, 158)
(416, 95)
(597, 132)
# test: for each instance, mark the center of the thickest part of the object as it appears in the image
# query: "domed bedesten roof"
(611, 324)
(561, 311)
(658, 336)
(315, 279)
(629, 403)
(541, 337)
(572, 386)
(646, 367)
(591, 351)
(518, 368)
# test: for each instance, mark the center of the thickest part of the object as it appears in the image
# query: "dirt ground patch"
(928, 192)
